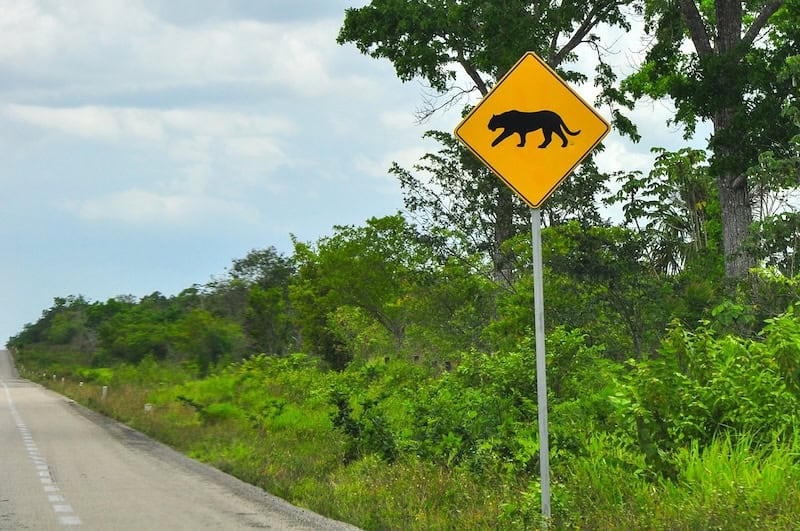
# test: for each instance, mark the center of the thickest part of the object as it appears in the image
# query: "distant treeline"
(388, 290)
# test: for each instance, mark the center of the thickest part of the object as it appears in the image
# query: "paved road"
(64, 467)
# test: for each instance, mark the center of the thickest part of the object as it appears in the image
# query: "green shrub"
(702, 386)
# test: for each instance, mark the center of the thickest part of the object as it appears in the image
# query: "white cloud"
(25, 31)
(397, 119)
(89, 122)
(377, 168)
(141, 207)
(113, 44)
(203, 144)
(126, 123)
(618, 156)
(253, 147)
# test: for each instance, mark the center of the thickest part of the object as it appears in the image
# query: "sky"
(145, 144)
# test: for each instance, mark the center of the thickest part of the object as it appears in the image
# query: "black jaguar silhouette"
(522, 123)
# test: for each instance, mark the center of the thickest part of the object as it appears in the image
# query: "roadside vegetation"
(385, 375)
(413, 404)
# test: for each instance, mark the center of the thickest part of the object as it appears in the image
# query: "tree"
(451, 204)
(262, 277)
(600, 280)
(448, 194)
(135, 332)
(265, 267)
(775, 237)
(483, 39)
(65, 323)
(204, 339)
(674, 208)
(266, 319)
(310, 299)
(371, 267)
(255, 293)
(730, 79)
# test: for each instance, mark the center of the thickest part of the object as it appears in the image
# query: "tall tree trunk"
(736, 210)
(736, 218)
(503, 230)
(737, 213)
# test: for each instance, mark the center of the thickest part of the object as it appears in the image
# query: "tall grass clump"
(723, 485)
(732, 483)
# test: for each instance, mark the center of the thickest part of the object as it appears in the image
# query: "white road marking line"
(57, 501)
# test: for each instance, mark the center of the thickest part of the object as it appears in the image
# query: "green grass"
(727, 485)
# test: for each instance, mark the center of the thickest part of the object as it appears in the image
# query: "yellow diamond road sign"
(532, 129)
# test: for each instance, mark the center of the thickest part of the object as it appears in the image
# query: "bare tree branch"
(586, 26)
(697, 29)
(760, 21)
(473, 74)
(591, 21)
(432, 105)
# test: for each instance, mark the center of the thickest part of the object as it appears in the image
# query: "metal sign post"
(541, 381)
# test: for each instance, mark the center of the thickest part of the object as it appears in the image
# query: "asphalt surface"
(65, 467)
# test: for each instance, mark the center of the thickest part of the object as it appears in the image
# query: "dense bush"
(702, 385)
